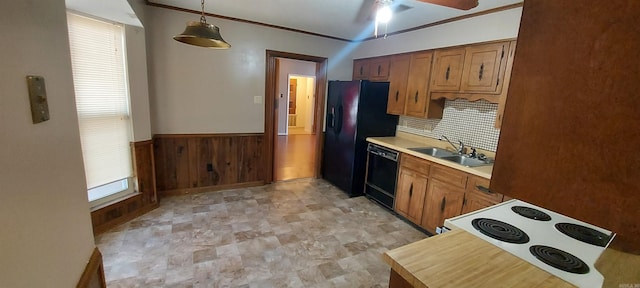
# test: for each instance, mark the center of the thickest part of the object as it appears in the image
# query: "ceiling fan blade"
(457, 4)
(367, 9)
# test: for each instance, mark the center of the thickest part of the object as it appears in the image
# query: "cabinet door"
(417, 100)
(361, 69)
(379, 69)
(478, 195)
(442, 201)
(398, 84)
(447, 70)
(410, 194)
(483, 67)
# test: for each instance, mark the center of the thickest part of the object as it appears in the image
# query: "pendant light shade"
(202, 34)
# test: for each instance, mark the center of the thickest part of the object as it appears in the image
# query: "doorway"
(277, 109)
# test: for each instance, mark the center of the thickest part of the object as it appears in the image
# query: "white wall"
(494, 26)
(44, 213)
(138, 82)
(287, 67)
(199, 90)
(311, 99)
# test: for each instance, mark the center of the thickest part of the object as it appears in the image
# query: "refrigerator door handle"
(331, 119)
(340, 116)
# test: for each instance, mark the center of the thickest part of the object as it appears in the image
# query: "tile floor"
(299, 233)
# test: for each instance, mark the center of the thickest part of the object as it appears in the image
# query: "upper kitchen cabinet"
(372, 69)
(398, 83)
(418, 104)
(472, 72)
(482, 67)
(447, 70)
(361, 69)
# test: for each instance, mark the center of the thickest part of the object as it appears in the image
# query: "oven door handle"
(382, 154)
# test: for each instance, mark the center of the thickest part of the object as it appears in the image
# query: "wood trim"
(113, 215)
(492, 98)
(156, 136)
(197, 190)
(93, 275)
(170, 7)
(270, 107)
(143, 143)
(445, 21)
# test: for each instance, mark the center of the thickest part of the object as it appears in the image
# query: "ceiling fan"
(456, 4)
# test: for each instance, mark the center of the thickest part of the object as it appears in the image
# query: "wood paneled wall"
(570, 134)
(198, 162)
(138, 204)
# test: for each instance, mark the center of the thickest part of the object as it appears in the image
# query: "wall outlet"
(257, 99)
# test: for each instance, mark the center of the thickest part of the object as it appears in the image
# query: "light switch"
(38, 99)
(257, 99)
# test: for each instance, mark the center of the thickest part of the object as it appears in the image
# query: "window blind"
(102, 100)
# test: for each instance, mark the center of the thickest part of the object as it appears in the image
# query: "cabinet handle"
(361, 71)
(446, 75)
(484, 190)
(397, 93)
(411, 190)
(444, 202)
(481, 71)
(379, 68)
(416, 97)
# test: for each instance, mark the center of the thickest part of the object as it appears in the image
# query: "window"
(102, 101)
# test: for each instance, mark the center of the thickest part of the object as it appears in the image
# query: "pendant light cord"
(202, 19)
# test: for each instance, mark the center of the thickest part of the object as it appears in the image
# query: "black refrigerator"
(355, 110)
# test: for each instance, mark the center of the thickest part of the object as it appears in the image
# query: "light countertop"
(403, 142)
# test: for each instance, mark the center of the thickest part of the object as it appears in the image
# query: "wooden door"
(410, 195)
(447, 70)
(484, 67)
(417, 100)
(361, 69)
(441, 202)
(398, 84)
(379, 69)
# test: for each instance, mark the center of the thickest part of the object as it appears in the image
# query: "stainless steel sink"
(433, 151)
(465, 160)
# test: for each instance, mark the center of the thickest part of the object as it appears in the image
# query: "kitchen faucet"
(460, 148)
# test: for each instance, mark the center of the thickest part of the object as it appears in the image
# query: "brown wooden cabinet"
(447, 70)
(398, 83)
(361, 69)
(445, 196)
(478, 195)
(418, 103)
(379, 69)
(372, 69)
(484, 67)
(412, 187)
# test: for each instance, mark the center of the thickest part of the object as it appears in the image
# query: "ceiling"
(114, 10)
(345, 19)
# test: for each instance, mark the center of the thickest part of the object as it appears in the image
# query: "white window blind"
(102, 100)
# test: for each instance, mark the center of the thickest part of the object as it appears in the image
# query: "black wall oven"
(382, 175)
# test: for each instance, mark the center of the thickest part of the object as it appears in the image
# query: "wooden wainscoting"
(93, 275)
(205, 162)
(122, 210)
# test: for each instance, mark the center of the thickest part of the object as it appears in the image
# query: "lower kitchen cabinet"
(412, 187)
(442, 201)
(479, 196)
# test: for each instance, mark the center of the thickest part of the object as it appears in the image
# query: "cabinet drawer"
(449, 175)
(480, 187)
(414, 163)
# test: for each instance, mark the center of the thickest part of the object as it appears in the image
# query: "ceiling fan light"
(384, 14)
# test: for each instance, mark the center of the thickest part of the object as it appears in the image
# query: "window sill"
(114, 201)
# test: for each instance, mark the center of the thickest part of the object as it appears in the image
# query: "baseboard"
(93, 275)
(185, 191)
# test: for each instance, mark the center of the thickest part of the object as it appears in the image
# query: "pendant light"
(202, 34)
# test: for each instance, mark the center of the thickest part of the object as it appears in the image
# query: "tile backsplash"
(470, 122)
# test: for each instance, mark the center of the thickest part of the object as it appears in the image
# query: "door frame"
(271, 107)
(313, 125)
